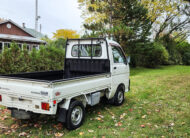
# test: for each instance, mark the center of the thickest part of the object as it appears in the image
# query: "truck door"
(120, 68)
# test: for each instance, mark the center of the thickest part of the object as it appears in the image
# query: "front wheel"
(75, 115)
(119, 97)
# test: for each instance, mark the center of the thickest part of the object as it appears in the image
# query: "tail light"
(45, 106)
(54, 102)
(0, 98)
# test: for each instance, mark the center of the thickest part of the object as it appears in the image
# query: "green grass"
(158, 105)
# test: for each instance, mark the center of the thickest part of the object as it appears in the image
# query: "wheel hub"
(76, 115)
(120, 97)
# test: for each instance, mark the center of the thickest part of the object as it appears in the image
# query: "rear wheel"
(75, 115)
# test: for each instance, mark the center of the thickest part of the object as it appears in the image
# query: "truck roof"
(109, 41)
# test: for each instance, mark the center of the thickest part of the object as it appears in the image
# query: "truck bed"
(46, 76)
(74, 68)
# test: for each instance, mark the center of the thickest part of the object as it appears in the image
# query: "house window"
(7, 45)
(36, 47)
(1, 47)
(28, 47)
(20, 46)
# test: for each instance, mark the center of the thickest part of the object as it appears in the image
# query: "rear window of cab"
(86, 50)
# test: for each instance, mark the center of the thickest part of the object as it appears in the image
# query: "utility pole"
(40, 28)
(36, 17)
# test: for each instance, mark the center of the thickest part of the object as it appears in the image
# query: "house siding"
(14, 30)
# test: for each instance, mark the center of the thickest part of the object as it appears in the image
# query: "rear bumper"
(27, 105)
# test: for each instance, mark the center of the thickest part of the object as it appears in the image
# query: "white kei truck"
(94, 68)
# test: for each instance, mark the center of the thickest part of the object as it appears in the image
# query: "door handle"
(115, 68)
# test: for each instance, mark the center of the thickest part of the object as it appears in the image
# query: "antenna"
(37, 17)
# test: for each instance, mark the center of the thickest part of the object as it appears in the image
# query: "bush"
(149, 55)
(184, 49)
(186, 58)
(175, 57)
(15, 60)
(155, 54)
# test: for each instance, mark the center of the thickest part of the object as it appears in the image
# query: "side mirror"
(128, 59)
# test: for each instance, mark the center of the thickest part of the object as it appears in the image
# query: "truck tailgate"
(25, 94)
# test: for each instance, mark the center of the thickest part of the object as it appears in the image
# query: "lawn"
(158, 105)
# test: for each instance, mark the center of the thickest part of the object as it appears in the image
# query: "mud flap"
(62, 115)
(129, 88)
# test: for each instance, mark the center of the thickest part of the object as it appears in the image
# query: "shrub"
(155, 54)
(186, 58)
(170, 44)
(15, 60)
(184, 49)
(149, 55)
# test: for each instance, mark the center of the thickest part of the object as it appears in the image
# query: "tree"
(126, 20)
(168, 17)
(65, 33)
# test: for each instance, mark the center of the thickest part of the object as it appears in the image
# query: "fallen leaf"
(148, 124)
(91, 131)
(23, 134)
(25, 125)
(143, 126)
(122, 129)
(130, 110)
(149, 113)
(144, 116)
(14, 126)
(36, 125)
(3, 118)
(172, 124)
(58, 126)
(98, 118)
(122, 116)
(157, 110)
(99, 127)
(156, 126)
(2, 126)
(119, 124)
(81, 133)
(8, 132)
(58, 134)
(101, 116)
(183, 123)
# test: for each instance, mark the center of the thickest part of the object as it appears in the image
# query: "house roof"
(3, 21)
(34, 33)
(21, 38)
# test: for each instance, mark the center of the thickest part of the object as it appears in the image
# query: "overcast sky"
(55, 14)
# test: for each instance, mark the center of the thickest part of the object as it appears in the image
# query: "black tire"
(119, 97)
(75, 115)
